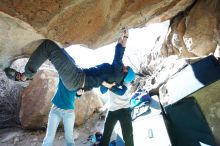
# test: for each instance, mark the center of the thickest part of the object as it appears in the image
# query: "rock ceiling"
(94, 23)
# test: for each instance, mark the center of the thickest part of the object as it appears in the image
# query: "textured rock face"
(87, 21)
(36, 98)
(194, 32)
(86, 106)
(90, 22)
(17, 39)
(194, 29)
(10, 101)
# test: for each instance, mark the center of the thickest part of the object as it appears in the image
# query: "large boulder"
(194, 32)
(36, 98)
(85, 106)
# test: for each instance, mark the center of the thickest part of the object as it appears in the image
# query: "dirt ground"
(18, 137)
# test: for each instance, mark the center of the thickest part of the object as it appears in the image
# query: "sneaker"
(14, 75)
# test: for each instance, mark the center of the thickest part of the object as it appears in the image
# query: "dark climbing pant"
(124, 117)
(72, 76)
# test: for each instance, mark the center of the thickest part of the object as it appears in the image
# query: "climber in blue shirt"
(72, 76)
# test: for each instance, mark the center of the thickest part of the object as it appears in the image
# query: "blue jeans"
(55, 116)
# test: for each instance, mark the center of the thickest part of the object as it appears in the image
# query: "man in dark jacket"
(72, 76)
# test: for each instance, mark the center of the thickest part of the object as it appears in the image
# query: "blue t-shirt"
(64, 98)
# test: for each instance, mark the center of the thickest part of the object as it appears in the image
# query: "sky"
(140, 41)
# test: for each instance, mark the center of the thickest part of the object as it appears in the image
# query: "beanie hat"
(129, 76)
